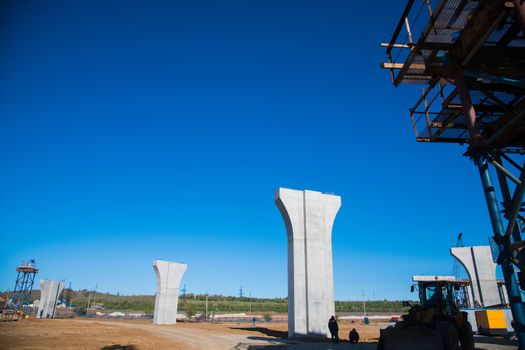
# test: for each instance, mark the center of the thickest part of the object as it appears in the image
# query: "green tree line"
(196, 303)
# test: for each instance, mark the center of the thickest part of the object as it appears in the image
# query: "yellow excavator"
(436, 323)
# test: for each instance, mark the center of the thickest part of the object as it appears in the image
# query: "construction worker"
(334, 329)
(353, 336)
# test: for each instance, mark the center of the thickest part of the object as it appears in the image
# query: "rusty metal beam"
(519, 8)
(479, 108)
(511, 33)
(420, 41)
(443, 140)
(479, 27)
(399, 25)
(387, 65)
(512, 133)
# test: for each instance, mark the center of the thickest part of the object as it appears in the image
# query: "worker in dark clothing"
(353, 336)
(334, 329)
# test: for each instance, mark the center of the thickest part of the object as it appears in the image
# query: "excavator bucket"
(409, 338)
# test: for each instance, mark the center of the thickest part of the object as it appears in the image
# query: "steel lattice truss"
(470, 57)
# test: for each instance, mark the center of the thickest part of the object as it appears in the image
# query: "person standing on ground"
(334, 329)
(353, 336)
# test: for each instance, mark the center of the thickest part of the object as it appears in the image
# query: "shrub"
(190, 310)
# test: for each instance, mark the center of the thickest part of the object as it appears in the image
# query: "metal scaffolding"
(18, 303)
(470, 56)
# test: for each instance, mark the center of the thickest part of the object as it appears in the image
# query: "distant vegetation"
(193, 303)
(196, 303)
(386, 306)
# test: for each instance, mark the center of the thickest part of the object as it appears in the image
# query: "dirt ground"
(138, 335)
(77, 334)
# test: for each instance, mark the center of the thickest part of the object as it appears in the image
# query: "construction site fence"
(225, 319)
(110, 317)
(197, 319)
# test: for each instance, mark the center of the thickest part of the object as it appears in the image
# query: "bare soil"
(137, 335)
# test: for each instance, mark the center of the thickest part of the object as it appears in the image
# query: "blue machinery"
(470, 56)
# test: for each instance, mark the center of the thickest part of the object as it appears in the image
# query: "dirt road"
(119, 334)
(101, 334)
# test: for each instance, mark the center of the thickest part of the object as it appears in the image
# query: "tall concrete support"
(309, 217)
(49, 293)
(482, 273)
(169, 275)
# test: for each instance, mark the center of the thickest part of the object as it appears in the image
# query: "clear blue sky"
(141, 130)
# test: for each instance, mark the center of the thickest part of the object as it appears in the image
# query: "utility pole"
(67, 295)
(206, 308)
(95, 294)
(240, 293)
(94, 297)
(250, 302)
(364, 303)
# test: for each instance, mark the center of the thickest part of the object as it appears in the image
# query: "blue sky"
(141, 130)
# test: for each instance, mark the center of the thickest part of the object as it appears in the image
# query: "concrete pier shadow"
(314, 346)
(265, 331)
(119, 347)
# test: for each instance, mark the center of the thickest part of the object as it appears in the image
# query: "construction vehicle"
(436, 323)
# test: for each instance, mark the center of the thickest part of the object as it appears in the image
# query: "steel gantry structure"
(18, 303)
(470, 57)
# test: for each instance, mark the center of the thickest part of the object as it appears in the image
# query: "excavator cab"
(432, 293)
(440, 293)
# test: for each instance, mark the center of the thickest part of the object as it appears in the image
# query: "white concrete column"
(169, 275)
(464, 255)
(482, 273)
(49, 294)
(309, 217)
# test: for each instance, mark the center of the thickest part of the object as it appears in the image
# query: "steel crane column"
(480, 157)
